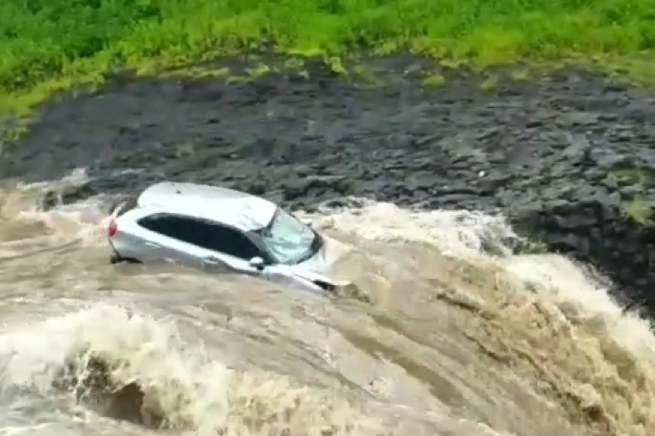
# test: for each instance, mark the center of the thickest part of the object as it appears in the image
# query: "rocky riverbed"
(569, 158)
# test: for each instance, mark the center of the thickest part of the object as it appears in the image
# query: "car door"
(172, 237)
(236, 249)
(230, 248)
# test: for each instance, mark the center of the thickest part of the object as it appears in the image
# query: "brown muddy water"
(441, 338)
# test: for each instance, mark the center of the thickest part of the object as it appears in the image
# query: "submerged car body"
(220, 230)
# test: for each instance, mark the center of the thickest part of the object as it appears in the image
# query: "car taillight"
(112, 229)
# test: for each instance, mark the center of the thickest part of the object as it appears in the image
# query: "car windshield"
(288, 239)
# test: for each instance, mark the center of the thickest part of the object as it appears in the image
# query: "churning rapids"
(442, 337)
(448, 329)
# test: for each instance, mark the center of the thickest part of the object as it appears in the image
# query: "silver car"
(221, 230)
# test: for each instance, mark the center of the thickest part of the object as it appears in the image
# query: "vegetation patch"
(489, 84)
(639, 210)
(636, 183)
(435, 80)
(58, 45)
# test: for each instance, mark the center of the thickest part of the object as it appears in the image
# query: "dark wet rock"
(564, 158)
(66, 195)
(49, 201)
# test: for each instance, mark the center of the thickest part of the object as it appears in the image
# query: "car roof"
(237, 209)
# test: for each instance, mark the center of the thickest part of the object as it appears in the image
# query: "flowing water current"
(445, 331)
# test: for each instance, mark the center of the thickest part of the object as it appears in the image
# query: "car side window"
(229, 241)
(173, 227)
(203, 234)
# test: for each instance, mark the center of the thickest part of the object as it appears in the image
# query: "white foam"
(180, 382)
(455, 233)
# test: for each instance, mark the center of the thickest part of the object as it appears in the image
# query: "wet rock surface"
(570, 158)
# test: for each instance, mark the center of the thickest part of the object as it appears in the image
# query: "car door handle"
(210, 260)
(152, 245)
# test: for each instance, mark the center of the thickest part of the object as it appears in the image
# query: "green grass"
(51, 45)
(640, 211)
(435, 80)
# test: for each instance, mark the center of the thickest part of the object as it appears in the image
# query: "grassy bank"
(47, 45)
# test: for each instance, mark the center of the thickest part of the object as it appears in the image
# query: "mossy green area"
(48, 46)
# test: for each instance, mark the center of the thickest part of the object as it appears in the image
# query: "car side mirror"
(257, 263)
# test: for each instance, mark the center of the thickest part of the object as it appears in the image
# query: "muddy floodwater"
(454, 324)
